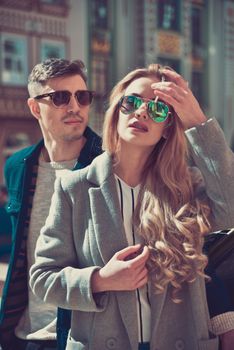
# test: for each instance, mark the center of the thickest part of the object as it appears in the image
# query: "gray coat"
(83, 231)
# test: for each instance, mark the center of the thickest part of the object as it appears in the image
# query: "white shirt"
(128, 199)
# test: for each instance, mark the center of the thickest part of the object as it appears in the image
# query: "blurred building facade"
(30, 31)
(196, 37)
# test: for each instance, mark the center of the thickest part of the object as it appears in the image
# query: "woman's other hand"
(121, 273)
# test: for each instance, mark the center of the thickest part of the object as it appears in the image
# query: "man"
(5, 224)
(60, 101)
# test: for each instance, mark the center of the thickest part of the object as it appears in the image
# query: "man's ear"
(34, 107)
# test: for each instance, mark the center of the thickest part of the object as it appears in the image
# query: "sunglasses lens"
(84, 97)
(61, 98)
(130, 104)
(158, 111)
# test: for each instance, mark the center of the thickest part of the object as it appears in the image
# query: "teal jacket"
(5, 231)
(18, 175)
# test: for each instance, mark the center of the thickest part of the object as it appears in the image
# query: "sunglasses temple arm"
(121, 106)
(171, 120)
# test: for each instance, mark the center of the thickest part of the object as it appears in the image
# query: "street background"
(112, 37)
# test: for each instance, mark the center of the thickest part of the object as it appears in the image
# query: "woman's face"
(138, 128)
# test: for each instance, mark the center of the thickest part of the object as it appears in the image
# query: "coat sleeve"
(215, 160)
(55, 276)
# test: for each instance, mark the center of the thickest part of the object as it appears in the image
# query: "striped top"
(128, 199)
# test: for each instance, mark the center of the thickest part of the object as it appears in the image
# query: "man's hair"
(53, 68)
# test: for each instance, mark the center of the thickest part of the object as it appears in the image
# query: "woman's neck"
(129, 165)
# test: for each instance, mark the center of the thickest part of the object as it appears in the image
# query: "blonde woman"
(122, 245)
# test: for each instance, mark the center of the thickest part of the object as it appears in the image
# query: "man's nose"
(73, 104)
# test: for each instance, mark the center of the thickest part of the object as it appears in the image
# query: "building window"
(18, 140)
(232, 143)
(99, 75)
(196, 25)
(53, 2)
(14, 59)
(199, 47)
(99, 11)
(173, 63)
(197, 86)
(15, 142)
(52, 49)
(169, 14)
(100, 64)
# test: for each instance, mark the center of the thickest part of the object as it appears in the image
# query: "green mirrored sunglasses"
(158, 111)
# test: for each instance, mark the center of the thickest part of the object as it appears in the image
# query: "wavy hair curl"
(169, 216)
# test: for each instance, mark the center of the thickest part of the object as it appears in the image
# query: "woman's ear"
(34, 107)
(165, 133)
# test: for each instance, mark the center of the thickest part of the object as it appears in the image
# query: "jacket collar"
(31, 154)
(100, 169)
(91, 149)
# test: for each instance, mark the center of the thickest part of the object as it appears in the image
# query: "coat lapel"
(128, 311)
(104, 204)
(156, 302)
(109, 232)
(108, 227)
(200, 307)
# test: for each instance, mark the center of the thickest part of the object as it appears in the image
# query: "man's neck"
(62, 151)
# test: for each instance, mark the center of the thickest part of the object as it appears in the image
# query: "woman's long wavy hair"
(168, 216)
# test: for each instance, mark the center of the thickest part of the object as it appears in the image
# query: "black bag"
(219, 248)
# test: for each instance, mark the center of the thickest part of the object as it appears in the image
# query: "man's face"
(64, 124)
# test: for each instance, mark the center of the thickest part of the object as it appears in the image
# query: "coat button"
(111, 343)
(179, 344)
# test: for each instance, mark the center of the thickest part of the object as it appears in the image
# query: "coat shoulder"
(92, 175)
(71, 179)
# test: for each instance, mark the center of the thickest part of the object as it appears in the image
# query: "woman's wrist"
(98, 282)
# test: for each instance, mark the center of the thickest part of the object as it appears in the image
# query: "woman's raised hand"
(175, 91)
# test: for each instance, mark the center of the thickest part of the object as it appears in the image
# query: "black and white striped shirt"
(128, 199)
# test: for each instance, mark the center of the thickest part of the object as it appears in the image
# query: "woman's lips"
(139, 126)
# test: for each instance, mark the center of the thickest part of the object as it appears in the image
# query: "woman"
(122, 245)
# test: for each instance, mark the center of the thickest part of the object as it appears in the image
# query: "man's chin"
(72, 138)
